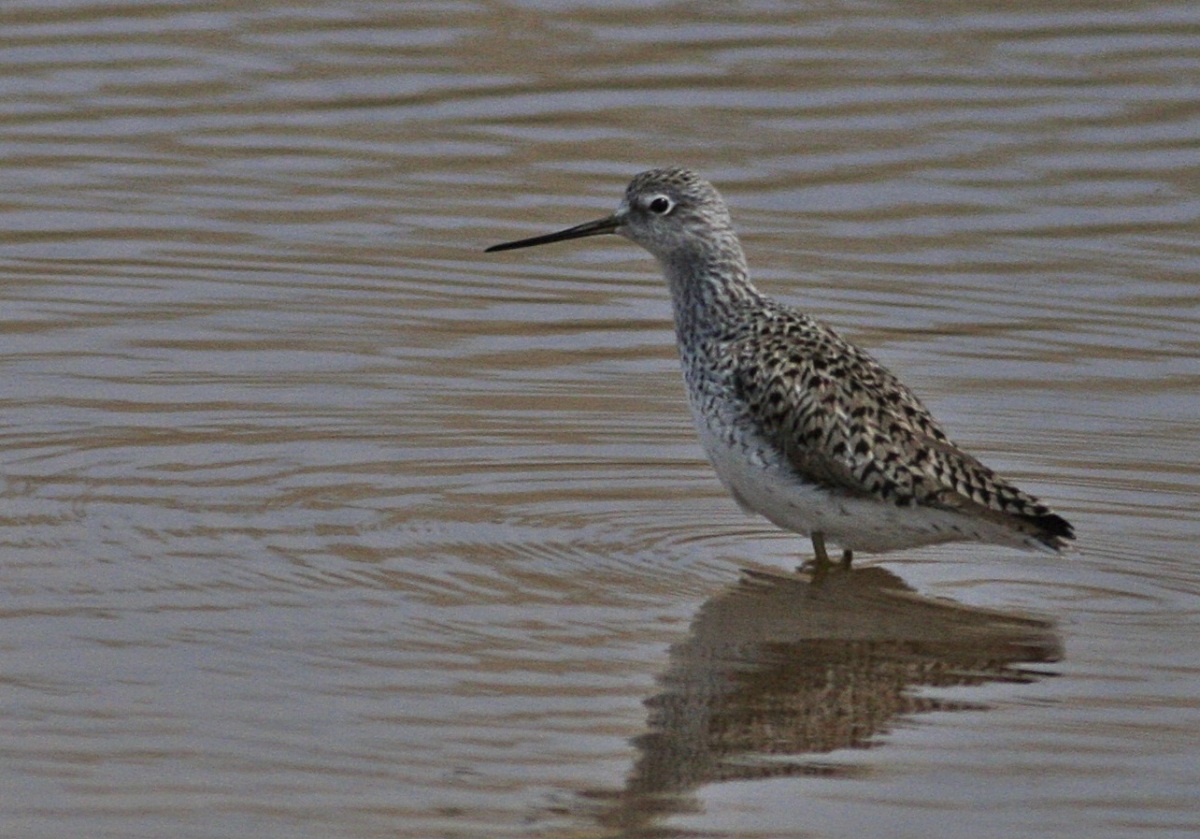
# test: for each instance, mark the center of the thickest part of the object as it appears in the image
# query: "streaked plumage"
(803, 427)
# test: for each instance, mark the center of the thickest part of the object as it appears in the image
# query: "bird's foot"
(820, 564)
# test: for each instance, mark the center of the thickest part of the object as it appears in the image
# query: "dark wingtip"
(1053, 530)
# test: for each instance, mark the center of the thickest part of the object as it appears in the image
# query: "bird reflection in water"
(779, 670)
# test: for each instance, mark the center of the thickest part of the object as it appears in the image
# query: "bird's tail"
(1048, 530)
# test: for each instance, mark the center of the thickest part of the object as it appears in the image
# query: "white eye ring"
(660, 205)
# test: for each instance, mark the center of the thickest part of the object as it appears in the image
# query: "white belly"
(762, 484)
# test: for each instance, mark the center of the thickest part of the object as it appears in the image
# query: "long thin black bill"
(608, 224)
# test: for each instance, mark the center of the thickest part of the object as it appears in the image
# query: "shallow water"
(318, 521)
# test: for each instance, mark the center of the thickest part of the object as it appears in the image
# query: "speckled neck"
(710, 284)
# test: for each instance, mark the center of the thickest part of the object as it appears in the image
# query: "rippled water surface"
(317, 521)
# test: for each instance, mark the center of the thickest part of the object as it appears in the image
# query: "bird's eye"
(661, 205)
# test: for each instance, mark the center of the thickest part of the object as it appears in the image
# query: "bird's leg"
(818, 540)
(821, 563)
